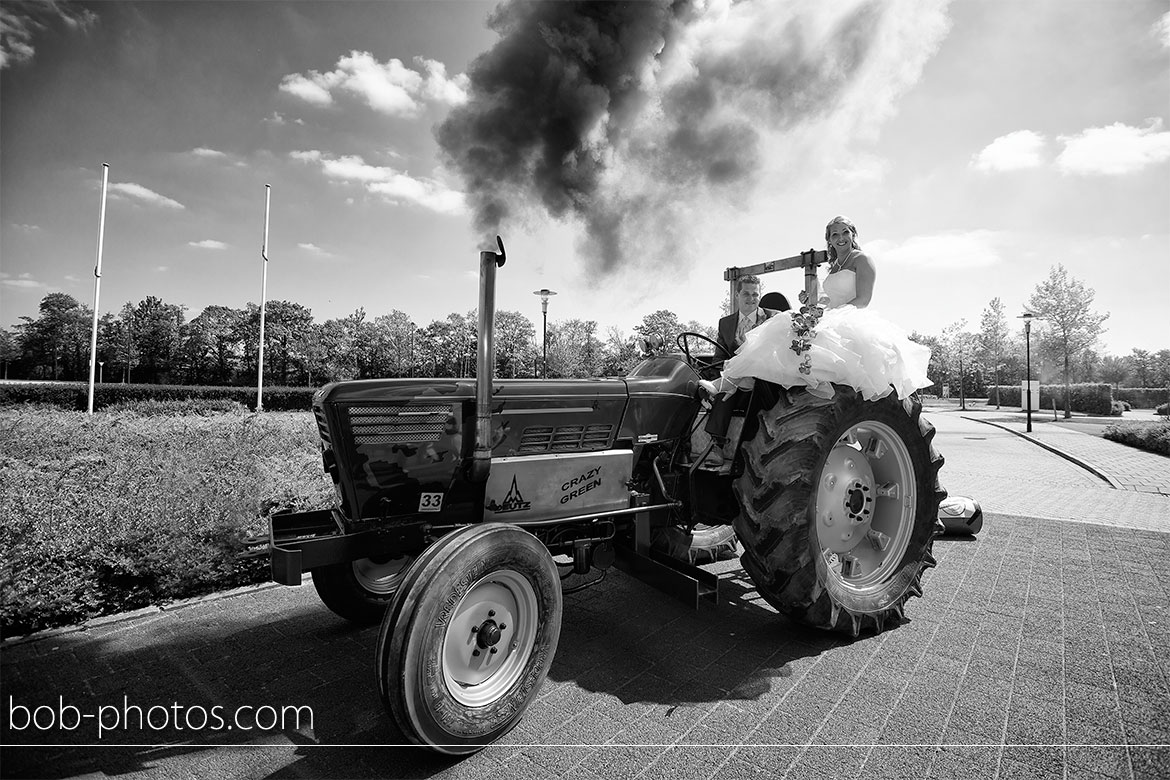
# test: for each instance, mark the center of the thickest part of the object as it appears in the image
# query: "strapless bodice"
(841, 287)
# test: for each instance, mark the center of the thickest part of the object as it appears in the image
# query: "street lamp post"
(1027, 317)
(544, 294)
(101, 371)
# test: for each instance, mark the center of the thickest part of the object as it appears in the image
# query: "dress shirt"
(746, 323)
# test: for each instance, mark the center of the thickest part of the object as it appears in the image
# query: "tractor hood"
(388, 441)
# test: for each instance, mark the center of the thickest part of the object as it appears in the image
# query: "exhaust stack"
(481, 458)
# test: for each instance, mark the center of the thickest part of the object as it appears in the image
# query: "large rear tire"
(469, 638)
(361, 591)
(839, 505)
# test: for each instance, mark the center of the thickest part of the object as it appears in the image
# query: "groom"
(733, 329)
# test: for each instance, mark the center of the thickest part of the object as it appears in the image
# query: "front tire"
(469, 638)
(839, 504)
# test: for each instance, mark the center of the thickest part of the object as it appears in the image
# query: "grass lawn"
(119, 510)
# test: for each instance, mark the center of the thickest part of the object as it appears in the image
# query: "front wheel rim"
(490, 638)
(866, 500)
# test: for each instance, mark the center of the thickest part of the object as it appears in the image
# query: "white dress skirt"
(851, 346)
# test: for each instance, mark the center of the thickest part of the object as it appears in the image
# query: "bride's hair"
(839, 220)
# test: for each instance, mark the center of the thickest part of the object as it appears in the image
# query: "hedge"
(1143, 397)
(1152, 437)
(1085, 398)
(75, 395)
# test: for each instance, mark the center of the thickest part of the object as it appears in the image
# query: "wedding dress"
(851, 346)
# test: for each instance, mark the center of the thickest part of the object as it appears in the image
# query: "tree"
(1161, 368)
(1113, 370)
(663, 322)
(213, 345)
(1087, 364)
(574, 349)
(960, 345)
(9, 352)
(1069, 324)
(157, 335)
(393, 338)
(56, 344)
(1141, 363)
(618, 354)
(937, 369)
(992, 341)
(515, 344)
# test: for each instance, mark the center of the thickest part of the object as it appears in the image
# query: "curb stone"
(155, 609)
(1113, 483)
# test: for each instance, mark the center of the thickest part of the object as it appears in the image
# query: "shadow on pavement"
(620, 638)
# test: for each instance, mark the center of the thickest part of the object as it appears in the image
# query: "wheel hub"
(845, 499)
(865, 505)
(488, 634)
(489, 638)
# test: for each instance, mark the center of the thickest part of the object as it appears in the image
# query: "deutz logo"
(513, 502)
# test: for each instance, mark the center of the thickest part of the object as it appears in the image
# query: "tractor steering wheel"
(700, 364)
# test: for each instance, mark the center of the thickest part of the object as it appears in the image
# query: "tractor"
(464, 504)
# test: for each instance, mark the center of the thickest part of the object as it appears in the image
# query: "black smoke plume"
(609, 114)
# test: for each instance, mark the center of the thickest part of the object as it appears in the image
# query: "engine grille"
(411, 424)
(548, 438)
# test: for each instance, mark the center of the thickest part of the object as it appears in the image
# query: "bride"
(835, 339)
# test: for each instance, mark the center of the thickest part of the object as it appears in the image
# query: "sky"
(627, 154)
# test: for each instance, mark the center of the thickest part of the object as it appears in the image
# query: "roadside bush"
(1116, 409)
(103, 513)
(1152, 437)
(75, 395)
(1085, 398)
(1143, 397)
(1163, 410)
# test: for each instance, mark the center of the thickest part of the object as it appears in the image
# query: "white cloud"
(20, 23)
(210, 153)
(389, 88)
(315, 250)
(945, 251)
(1012, 152)
(207, 244)
(27, 229)
(138, 192)
(162, 268)
(309, 89)
(24, 281)
(1162, 30)
(72, 278)
(391, 184)
(861, 168)
(1116, 149)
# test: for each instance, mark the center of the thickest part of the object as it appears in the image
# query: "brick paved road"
(1125, 467)
(1038, 651)
(1008, 474)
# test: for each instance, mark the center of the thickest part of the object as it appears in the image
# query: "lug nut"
(475, 652)
(495, 650)
(491, 613)
(502, 626)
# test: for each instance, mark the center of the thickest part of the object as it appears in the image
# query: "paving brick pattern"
(1127, 468)
(1039, 650)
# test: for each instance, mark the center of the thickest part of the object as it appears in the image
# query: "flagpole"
(97, 284)
(263, 299)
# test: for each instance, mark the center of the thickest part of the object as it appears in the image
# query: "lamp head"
(544, 294)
